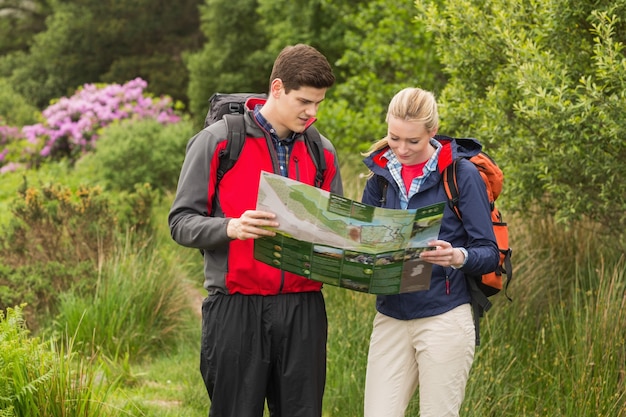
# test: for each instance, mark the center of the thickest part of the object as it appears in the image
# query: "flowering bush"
(10, 137)
(71, 125)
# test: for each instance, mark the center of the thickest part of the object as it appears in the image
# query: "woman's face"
(409, 140)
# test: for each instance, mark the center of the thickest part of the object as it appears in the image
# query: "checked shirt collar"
(395, 168)
(282, 146)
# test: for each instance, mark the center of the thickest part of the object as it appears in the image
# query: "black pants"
(257, 348)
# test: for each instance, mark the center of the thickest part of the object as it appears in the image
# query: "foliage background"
(540, 83)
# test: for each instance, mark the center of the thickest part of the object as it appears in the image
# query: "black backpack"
(231, 108)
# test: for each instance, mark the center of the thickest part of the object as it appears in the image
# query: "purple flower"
(76, 120)
(10, 167)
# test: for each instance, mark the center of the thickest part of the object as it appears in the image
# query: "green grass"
(167, 385)
(138, 309)
(45, 377)
(350, 316)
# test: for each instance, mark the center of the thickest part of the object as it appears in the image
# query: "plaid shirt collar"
(395, 168)
(282, 146)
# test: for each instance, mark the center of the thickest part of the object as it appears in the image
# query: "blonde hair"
(410, 104)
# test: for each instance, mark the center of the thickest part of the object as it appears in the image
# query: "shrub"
(54, 223)
(38, 285)
(15, 182)
(58, 238)
(72, 125)
(13, 147)
(137, 152)
(14, 108)
(133, 210)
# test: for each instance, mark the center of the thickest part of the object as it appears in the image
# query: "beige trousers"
(435, 353)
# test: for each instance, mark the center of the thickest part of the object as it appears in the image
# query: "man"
(263, 331)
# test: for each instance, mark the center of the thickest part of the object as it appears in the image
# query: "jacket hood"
(252, 102)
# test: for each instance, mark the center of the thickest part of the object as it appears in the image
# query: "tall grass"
(39, 378)
(139, 306)
(558, 348)
(350, 316)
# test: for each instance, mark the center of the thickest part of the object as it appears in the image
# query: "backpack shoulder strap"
(452, 187)
(479, 302)
(313, 141)
(235, 139)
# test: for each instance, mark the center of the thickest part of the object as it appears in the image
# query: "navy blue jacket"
(474, 233)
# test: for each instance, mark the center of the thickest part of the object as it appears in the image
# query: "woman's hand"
(443, 254)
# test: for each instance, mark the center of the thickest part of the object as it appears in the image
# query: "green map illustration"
(317, 216)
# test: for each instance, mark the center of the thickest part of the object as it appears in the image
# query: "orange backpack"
(492, 283)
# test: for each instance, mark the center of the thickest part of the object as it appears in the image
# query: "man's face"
(293, 110)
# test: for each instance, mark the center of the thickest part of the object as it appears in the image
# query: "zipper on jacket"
(295, 161)
(447, 283)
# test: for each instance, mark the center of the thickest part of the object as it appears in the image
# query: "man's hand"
(251, 225)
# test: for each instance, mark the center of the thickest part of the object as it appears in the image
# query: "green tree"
(244, 37)
(233, 57)
(108, 41)
(542, 85)
(316, 22)
(385, 51)
(19, 22)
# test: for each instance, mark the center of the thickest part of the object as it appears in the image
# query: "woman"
(426, 338)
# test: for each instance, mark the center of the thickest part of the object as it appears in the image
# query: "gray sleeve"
(189, 218)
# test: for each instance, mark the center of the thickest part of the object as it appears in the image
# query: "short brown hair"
(302, 66)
